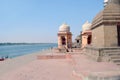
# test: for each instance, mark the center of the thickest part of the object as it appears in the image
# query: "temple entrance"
(118, 31)
(89, 39)
(77, 41)
(63, 40)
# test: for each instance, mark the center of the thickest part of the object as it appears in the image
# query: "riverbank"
(49, 65)
(11, 50)
(13, 63)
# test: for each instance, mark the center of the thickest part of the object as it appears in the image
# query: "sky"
(38, 21)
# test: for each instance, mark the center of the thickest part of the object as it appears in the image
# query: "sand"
(73, 67)
(41, 70)
(11, 64)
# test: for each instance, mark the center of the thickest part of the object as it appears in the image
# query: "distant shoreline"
(23, 43)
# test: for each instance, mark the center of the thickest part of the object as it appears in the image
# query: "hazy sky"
(39, 20)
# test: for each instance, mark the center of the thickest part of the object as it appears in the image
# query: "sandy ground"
(42, 70)
(11, 64)
(28, 67)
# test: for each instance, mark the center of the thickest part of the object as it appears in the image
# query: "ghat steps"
(114, 56)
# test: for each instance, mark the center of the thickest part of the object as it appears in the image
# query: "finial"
(65, 23)
(105, 2)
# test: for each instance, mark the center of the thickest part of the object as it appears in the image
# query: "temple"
(105, 45)
(64, 37)
(98, 44)
(100, 40)
(86, 34)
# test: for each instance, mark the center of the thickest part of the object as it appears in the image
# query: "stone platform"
(84, 68)
(54, 56)
(56, 66)
(107, 54)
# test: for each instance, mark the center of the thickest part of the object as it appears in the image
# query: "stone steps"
(114, 53)
(116, 60)
(117, 63)
(115, 57)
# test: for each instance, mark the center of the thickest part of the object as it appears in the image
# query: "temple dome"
(110, 14)
(64, 28)
(86, 26)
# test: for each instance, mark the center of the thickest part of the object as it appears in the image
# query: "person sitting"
(2, 59)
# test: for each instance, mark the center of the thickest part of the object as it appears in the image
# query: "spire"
(105, 2)
(114, 1)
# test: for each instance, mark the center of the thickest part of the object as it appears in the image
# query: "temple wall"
(110, 32)
(84, 40)
(105, 36)
(98, 36)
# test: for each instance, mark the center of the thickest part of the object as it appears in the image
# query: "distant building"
(78, 42)
(85, 36)
(64, 37)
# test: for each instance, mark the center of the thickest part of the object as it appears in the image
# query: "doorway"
(89, 39)
(63, 40)
(118, 32)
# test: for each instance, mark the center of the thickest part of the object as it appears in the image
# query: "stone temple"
(86, 34)
(105, 45)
